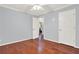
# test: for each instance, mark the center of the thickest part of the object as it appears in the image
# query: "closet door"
(67, 30)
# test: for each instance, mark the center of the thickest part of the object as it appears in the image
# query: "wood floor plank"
(31, 47)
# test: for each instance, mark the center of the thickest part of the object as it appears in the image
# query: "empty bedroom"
(39, 28)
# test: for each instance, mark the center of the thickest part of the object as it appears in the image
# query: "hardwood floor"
(31, 47)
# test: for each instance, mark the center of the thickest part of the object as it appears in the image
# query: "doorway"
(36, 26)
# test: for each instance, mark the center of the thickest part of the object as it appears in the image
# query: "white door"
(67, 23)
(35, 27)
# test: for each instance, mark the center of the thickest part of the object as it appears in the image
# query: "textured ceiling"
(27, 8)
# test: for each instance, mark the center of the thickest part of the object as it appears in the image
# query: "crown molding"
(56, 9)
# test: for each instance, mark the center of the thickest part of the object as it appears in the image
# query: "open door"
(36, 26)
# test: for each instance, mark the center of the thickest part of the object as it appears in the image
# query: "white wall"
(51, 26)
(14, 26)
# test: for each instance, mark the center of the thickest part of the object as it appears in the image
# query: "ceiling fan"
(37, 7)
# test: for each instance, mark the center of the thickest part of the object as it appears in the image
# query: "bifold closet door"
(67, 24)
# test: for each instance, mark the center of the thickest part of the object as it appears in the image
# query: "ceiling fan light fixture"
(37, 8)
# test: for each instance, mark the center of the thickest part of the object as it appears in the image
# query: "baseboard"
(70, 45)
(14, 41)
(28, 39)
(51, 40)
(59, 42)
(76, 47)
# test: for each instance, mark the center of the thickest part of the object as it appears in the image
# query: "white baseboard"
(14, 41)
(59, 42)
(51, 40)
(28, 39)
(70, 45)
(76, 47)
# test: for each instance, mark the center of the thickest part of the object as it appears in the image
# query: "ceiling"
(27, 8)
